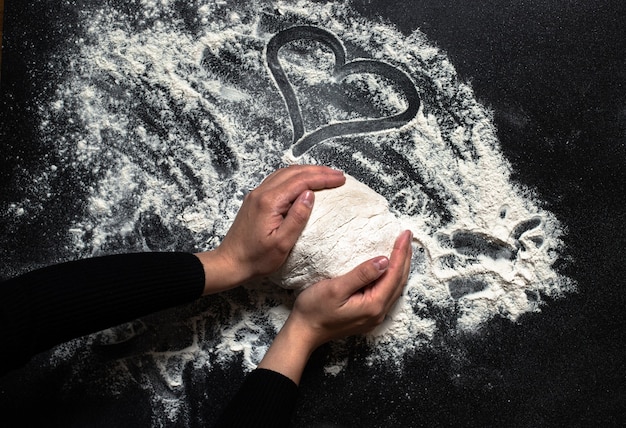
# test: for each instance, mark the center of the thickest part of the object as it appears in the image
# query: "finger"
(296, 219)
(361, 276)
(403, 280)
(290, 186)
(286, 174)
(308, 181)
(390, 287)
(280, 190)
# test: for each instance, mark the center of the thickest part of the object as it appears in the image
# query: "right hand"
(356, 302)
(351, 304)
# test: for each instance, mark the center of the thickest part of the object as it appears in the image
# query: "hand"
(351, 304)
(267, 226)
(356, 302)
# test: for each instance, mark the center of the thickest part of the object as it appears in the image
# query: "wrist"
(220, 273)
(300, 336)
(289, 352)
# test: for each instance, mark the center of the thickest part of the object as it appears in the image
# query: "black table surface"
(554, 74)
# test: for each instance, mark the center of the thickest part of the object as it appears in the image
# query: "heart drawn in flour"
(302, 141)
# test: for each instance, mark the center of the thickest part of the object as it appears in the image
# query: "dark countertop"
(554, 74)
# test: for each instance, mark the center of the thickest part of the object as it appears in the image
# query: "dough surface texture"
(348, 225)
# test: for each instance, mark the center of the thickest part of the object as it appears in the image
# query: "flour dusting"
(172, 116)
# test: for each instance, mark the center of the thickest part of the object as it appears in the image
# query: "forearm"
(52, 305)
(265, 399)
(289, 352)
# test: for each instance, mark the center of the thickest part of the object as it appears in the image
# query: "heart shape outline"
(302, 141)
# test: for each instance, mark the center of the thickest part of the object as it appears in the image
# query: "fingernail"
(307, 198)
(382, 263)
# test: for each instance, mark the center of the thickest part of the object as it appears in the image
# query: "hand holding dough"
(348, 225)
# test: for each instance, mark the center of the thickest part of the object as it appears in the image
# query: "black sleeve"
(265, 399)
(52, 305)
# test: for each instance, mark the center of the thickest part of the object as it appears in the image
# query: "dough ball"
(348, 225)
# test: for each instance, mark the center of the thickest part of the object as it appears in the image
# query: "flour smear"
(173, 115)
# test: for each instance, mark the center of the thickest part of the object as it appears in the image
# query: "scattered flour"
(172, 115)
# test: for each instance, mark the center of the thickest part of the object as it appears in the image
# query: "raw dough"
(348, 225)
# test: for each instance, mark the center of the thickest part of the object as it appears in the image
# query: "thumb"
(363, 275)
(297, 217)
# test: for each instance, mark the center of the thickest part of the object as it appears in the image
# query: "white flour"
(176, 117)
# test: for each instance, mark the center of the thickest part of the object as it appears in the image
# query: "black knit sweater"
(52, 305)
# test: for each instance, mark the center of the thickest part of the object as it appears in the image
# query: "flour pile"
(172, 115)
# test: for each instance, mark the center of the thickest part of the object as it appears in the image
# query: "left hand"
(267, 225)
